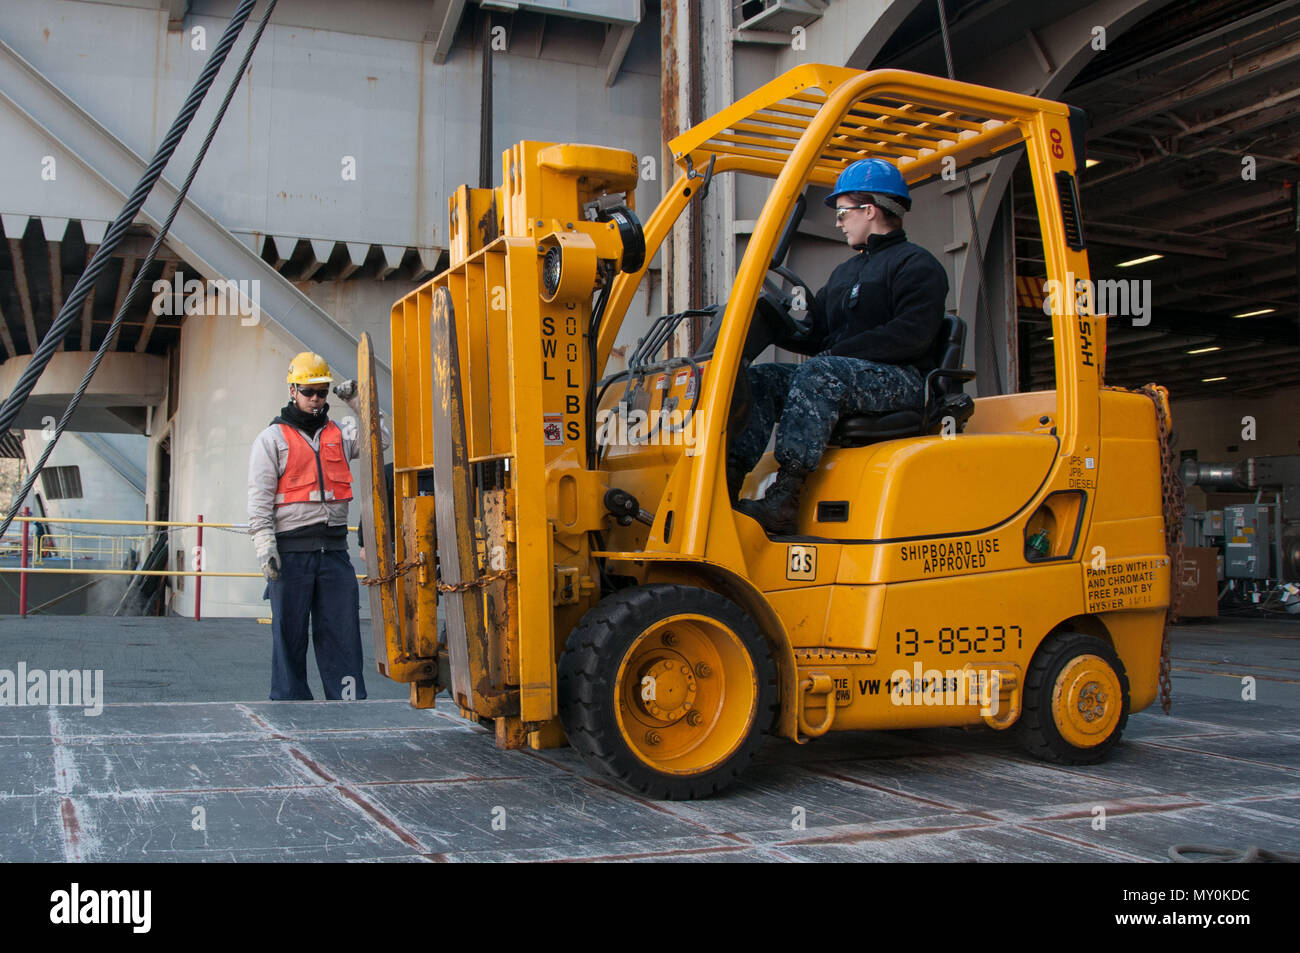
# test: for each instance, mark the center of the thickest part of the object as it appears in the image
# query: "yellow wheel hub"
(1086, 701)
(687, 694)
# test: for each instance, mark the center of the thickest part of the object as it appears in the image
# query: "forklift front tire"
(1076, 700)
(668, 689)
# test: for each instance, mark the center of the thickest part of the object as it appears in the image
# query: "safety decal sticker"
(692, 383)
(1124, 584)
(801, 563)
(553, 430)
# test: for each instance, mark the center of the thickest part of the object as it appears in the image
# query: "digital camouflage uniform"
(806, 400)
(873, 328)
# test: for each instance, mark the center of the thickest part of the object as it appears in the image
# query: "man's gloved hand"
(267, 554)
(346, 390)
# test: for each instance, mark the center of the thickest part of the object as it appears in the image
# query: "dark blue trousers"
(320, 588)
(805, 401)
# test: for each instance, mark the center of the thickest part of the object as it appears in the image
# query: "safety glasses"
(843, 209)
(314, 391)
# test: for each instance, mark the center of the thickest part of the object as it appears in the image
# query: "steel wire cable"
(54, 335)
(69, 313)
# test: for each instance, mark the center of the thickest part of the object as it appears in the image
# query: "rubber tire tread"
(1036, 729)
(587, 693)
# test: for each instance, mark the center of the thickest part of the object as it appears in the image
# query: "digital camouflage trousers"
(804, 402)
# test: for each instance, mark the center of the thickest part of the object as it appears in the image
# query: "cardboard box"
(1198, 578)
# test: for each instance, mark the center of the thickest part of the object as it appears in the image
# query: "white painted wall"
(232, 382)
(106, 494)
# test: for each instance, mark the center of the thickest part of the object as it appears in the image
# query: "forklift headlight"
(552, 268)
(568, 266)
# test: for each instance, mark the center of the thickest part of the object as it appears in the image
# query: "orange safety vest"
(307, 471)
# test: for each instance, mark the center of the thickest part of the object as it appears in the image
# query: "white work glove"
(267, 554)
(346, 391)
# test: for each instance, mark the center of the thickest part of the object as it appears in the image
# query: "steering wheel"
(774, 307)
(772, 324)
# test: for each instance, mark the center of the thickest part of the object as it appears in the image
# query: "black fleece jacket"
(884, 304)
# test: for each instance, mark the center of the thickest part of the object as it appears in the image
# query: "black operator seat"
(944, 397)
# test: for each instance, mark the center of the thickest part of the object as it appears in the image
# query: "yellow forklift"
(999, 561)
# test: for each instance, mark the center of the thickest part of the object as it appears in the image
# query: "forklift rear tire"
(1076, 700)
(668, 689)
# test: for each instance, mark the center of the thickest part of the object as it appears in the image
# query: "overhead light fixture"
(1048, 338)
(1089, 163)
(1138, 261)
(1210, 380)
(1255, 314)
(1205, 350)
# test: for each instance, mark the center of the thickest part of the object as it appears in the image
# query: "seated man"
(872, 330)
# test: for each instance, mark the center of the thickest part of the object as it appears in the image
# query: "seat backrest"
(949, 347)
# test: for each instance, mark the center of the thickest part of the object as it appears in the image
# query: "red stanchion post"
(22, 576)
(198, 580)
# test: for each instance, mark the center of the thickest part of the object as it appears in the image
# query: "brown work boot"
(778, 511)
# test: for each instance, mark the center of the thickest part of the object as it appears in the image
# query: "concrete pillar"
(676, 90)
(718, 210)
(696, 81)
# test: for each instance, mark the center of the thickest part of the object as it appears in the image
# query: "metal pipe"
(41, 571)
(132, 572)
(485, 119)
(71, 592)
(38, 519)
(1277, 537)
(34, 519)
(198, 578)
(1219, 476)
(22, 579)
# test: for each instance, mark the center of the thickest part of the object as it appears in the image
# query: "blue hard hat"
(877, 177)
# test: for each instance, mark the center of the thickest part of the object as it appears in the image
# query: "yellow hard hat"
(309, 368)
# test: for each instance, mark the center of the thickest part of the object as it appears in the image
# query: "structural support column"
(696, 81)
(717, 214)
(675, 73)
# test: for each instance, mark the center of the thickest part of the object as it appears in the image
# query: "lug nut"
(703, 670)
(652, 737)
(694, 718)
(669, 639)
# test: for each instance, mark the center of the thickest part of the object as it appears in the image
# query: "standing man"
(299, 487)
(872, 331)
